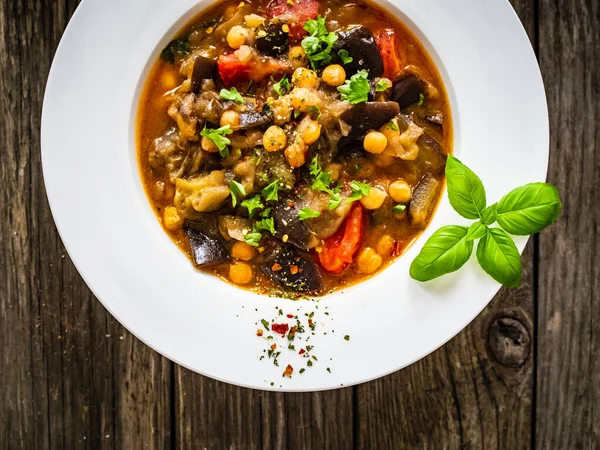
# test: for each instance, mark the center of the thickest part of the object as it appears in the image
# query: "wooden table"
(525, 373)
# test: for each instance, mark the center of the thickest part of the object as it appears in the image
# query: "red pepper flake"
(291, 204)
(288, 371)
(276, 267)
(310, 322)
(259, 332)
(280, 328)
(293, 270)
(302, 351)
(273, 347)
(293, 330)
(290, 316)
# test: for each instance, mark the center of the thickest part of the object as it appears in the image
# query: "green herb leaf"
(282, 86)
(266, 213)
(322, 182)
(335, 201)
(421, 99)
(476, 231)
(267, 224)
(307, 213)
(343, 54)
(317, 46)
(177, 48)
(529, 209)
(356, 89)
(237, 191)
(465, 190)
(347, 337)
(253, 204)
(446, 251)
(218, 137)
(314, 108)
(488, 216)
(253, 239)
(232, 94)
(359, 190)
(382, 85)
(499, 257)
(399, 208)
(271, 192)
(265, 324)
(315, 168)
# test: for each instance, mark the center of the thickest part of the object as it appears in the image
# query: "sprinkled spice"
(280, 328)
(302, 351)
(347, 337)
(259, 332)
(288, 371)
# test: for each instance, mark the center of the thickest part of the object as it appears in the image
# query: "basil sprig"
(525, 210)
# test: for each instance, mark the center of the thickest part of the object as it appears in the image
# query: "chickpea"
(244, 54)
(238, 36)
(334, 75)
(296, 154)
(390, 130)
(400, 191)
(240, 273)
(305, 78)
(297, 57)
(274, 139)
(311, 132)
(375, 199)
(254, 20)
(369, 261)
(171, 219)
(375, 142)
(303, 99)
(385, 246)
(243, 251)
(208, 145)
(230, 118)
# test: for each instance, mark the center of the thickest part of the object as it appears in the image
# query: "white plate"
(200, 322)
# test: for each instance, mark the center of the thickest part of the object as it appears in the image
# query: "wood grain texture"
(568, 374)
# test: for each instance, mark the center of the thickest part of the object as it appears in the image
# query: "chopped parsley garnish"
(399, 208)
(282, 86)
(314, 108)
(343, 54)
(237, 191)
(265, 213)
(319, 43)
(309, 363)
(309, 348)
(307, 213)
(231, 94)
(253, 204)
(302, 370)
(357, 88)
(328, 370)
(359, 190)
(217, 136)
(265, 324)
(392, 126)
(347, 337)
(315, 168)
(382, 85)
(253, 239)
(421, 99)
(179, 47)
(271, 191)
(267, 224)
(322, 182)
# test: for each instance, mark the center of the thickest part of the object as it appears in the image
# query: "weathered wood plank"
(568, 375)
(477, 390)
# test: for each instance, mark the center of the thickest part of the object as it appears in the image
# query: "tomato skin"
(234, 72)
(339, 250)
(296, 14)
(390, 54)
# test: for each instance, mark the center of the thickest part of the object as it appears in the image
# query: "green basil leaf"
(465, 190)
(446, 251)
(529, 209)
(499, 257)
(476, 231)
(489, 214)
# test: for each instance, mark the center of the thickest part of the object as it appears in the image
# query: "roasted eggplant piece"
(360, 44)
(292, 269)
(208, 246)
(253, 119)
(274, 41)
(287, 223)
(423, 200)
(431, 153)
(370, 115)
(204, 69)
(407, 90)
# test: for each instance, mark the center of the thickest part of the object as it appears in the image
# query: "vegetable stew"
(294, 147)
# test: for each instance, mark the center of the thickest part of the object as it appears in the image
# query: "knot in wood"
(509, 342)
